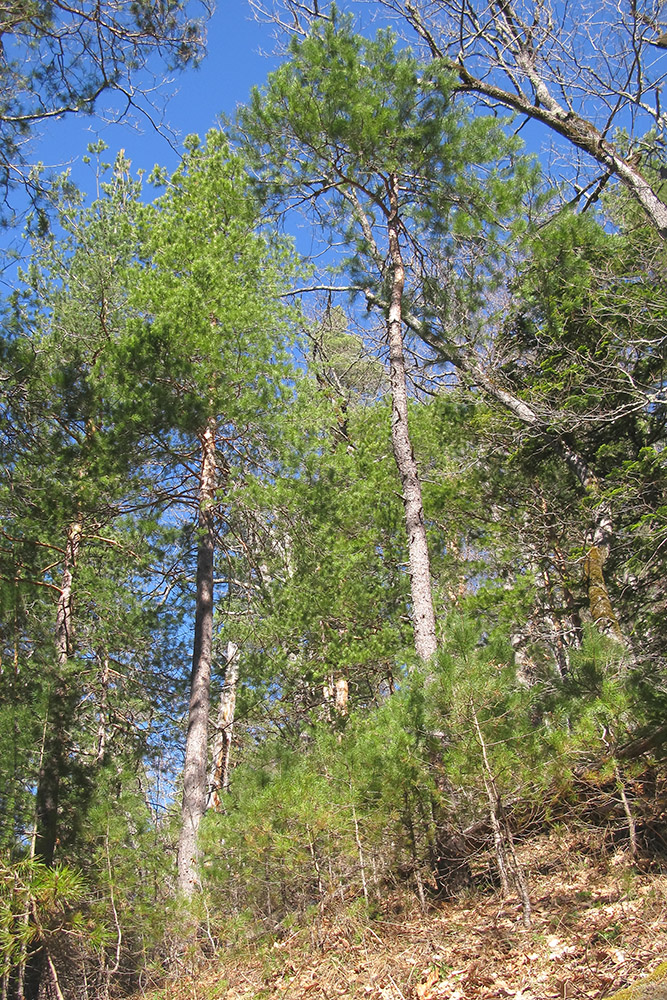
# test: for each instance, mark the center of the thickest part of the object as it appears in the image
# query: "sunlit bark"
(423, 616)
(601, 527)
(196, 745)
(55, 746)
(222, 746)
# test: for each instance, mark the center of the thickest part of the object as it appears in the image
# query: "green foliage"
(304, 824)
(90, 394)
(35, 900)
(344, 113)
(209, 333)
(585, 343)
(340, 813)
(341, 361)
(125, 847)
(141, 322)
(332, 600)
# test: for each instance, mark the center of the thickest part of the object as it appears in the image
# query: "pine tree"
(212, 345)
(81, 552)
(369, 138)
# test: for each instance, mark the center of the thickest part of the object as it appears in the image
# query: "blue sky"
(233, 64)
(236, 60)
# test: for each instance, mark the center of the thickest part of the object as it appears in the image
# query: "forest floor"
(599, 923)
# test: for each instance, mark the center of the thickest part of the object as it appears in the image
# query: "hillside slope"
(599, 925)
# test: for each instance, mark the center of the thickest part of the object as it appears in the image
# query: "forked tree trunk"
(196, 744)
(222, 746)
(423, 616)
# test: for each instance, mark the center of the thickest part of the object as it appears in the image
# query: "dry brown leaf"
(423, 990)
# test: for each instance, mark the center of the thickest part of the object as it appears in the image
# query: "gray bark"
(53, 759)
(222, 746)
(418, 558)
(601, 526)
(48, 785)
(196, 745)
(419, 568)
(585, 136)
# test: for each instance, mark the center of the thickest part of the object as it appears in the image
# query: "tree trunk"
(601, 530)
(196, 744)
(222, 747)
(423, 616)
(48, 786)
(522, 59)
(55, 745)
(102, 715)
(508, 862)
(601, 535)
(602, 611)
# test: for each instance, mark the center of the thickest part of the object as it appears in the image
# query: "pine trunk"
(196, 744)
(55, 745)
(418, 558)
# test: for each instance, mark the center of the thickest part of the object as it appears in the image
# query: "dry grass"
(599, 923)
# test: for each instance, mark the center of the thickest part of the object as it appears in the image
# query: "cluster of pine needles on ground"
(599, 924)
